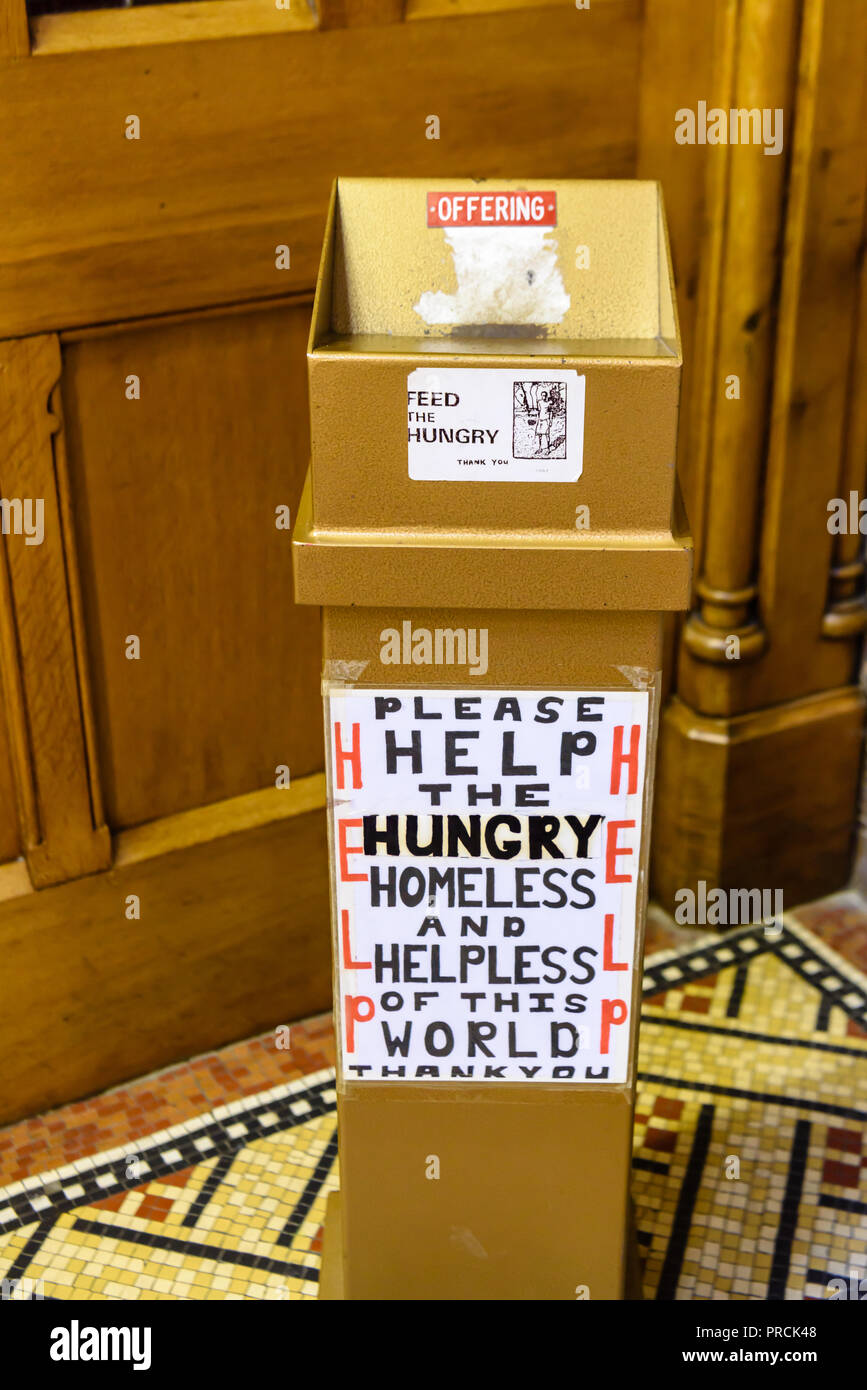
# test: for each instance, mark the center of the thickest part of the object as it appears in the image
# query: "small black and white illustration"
(539, 420)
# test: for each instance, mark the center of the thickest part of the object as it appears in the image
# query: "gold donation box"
(492, 526)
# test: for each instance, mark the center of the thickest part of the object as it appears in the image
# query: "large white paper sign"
(486, 849)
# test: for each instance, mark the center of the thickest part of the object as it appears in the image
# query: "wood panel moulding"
(727, 433)
(768, 555)
(357, 14)
(845, 615)
(760, 752)
(14, 29)
(45, 681)
(759, 800)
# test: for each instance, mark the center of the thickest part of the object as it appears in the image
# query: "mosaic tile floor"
(750, 1159)
(750, 1163)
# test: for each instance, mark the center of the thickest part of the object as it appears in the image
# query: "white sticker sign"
(486, 850)
(492, 423)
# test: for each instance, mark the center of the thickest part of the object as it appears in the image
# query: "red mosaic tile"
(110, 1203)
(154, 1208)
(841, 1174)
(847, 1139)
(178, 1179)
(695, 1004)
(841, 920)
(662, 1140)
(668, 1109)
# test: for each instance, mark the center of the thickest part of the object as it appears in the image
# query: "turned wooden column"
(761, 740)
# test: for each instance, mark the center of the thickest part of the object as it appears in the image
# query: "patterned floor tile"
(749, 1175)
(749, 1166)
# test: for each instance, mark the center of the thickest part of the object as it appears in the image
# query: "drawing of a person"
(543, 424)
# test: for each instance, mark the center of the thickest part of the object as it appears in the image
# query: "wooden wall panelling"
(727, 437)
(14, 31)
(845, 615)
(732, 806)
(680, 66)
(355, 14)
(792, 686)
(683, 64)
(200, 20)
(804, 447)
(240, 140)
(197, 21)
(176, 498)
(44, 674)
(232, 939)
(461, 9)
(10, 836)
(820, 367)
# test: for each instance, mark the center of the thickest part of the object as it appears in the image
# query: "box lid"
(506, 570)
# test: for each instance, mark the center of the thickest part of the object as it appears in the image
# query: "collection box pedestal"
(492, 527)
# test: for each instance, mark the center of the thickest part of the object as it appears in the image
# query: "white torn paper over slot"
(505, 275)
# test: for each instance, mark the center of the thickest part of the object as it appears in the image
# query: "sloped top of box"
(451, 259)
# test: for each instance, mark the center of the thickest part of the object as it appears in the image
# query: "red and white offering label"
(486, 851)
(492, 209)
